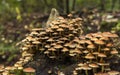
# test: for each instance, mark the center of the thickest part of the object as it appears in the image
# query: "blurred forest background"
(18, 17)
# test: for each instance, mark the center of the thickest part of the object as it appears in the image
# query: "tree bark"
(60, 5)
(67, 6)
(73, 6)
(102, 4)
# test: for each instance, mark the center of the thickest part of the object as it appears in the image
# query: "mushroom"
(60, 30)
(94, 66)
(90, 57)
(86, 68)
(113, 73)
(75, 72)
(99, 43)
(6, 73)
(47, 53)
(113, 52)
(64, 50)
(101, 73)
(103, 66)
(101, 55)
(36, 43)
(29, 71)
(91, 47)
(52, 50)
(50, 40)
(106, 50)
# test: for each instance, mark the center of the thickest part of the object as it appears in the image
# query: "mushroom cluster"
(96, 49)
(63, 38)
(53, 41)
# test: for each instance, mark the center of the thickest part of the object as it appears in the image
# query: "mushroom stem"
(86, 72)
(101, 59)
(99, 48)
(102, 68)
(90, 60)
(94, 70)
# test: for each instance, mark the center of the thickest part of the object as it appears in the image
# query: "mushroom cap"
(85, 51)
(49, 30)
(93, 65)
(20, 68)
(36, 42)
(29, 70)
(65, 49)
(113, 72)
(42, 33)
(37, 29)
(114, 52)
(86, 67)
(24, 48)
(91, 46)
(72, 45)
(72, 54)
(51, 49)
(95, 53)
(104, 38)
(69, 15)
(55, 27)
(88, 42)
(94, 38)
(76, 40)
(77, 51)
(60, 29)
(89, 36)
(58, 46)
(78, 19)
(99, 42)
(89, 56)
(80, 64)
(106, 49)
(82, 42)
(34, 33)
(46, 52)
(101, 73)
(97, 35)
(50, 40)
(109, 45)
(79, 46)
(103, 64)
(52, 57)
(8, 68)
(102, 55)
(64, 26)
(78, 68)
(60, 42)
(64, 39)
(47, 46)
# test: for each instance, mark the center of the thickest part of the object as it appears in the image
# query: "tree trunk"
(67, 6)
(23, 5)
(60, 5)
(73, 6)
(113, 4)
(102, 4)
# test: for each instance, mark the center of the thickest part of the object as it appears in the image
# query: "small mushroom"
(113, 73)
(103, 66)
(86, 68)
(99, 43)
(29, 71)
(101, 55)
(90, 57)
(94, 66)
